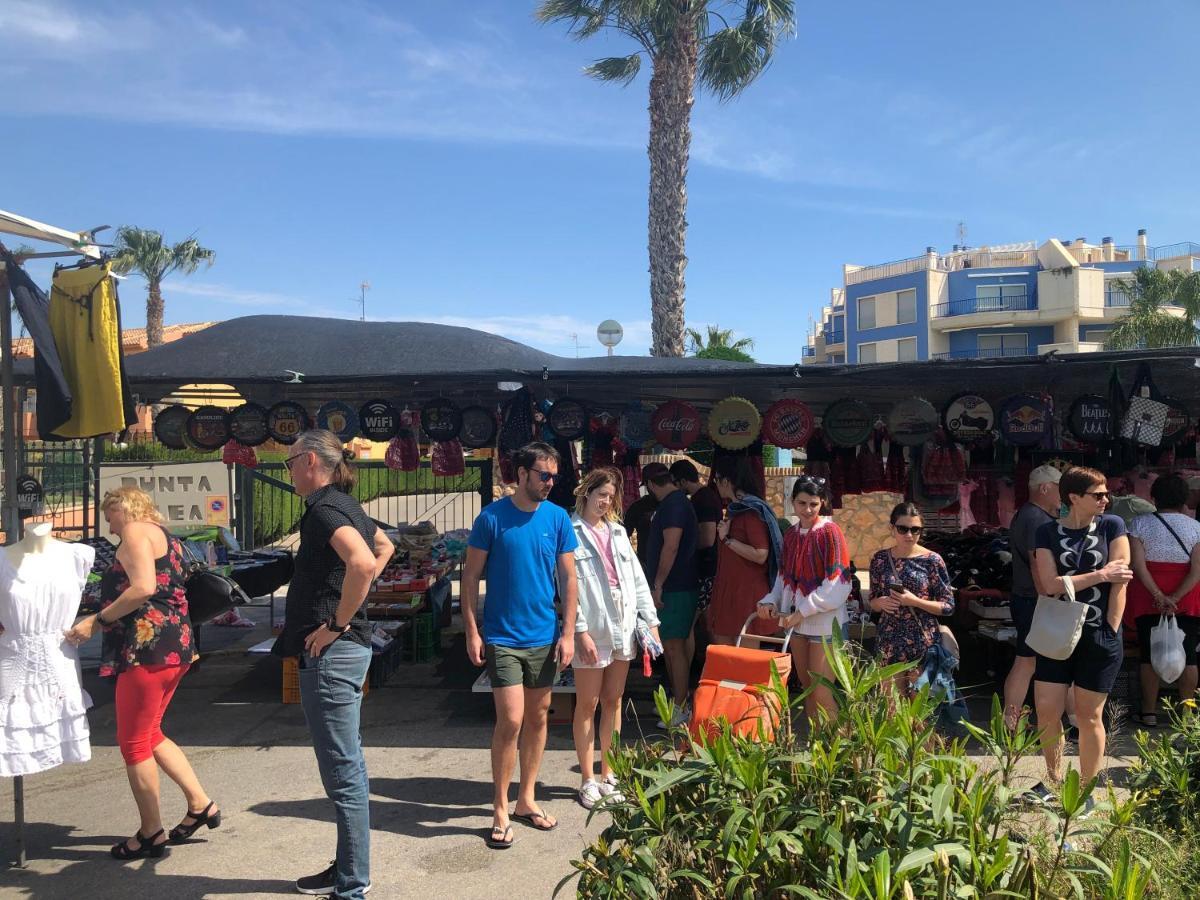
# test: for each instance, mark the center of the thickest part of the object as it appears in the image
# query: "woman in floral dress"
(910, 589)
(148, 645)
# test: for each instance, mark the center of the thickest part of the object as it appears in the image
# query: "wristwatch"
(332, 625)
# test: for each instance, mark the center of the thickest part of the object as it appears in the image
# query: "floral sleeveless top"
(160, 632)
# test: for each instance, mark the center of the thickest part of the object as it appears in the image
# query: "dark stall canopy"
(312, 360)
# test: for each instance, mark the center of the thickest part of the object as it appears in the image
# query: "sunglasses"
(1099, 495)
(914, 530)
(811, 480)
(287, 463)
(544, 475)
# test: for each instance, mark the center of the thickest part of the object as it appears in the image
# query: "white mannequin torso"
(38, 538)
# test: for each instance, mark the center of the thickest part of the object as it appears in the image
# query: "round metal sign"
(170, 426)
(847, 423)
(378, 420)
(675, 425)
(610, 333)
(1090, 419)
(478, 427)
(568, 418)
(788, 423)
(285, 421)
(340, 418)
(968, 417)
(441, 420)
(248, 424)
(208, 428)
(1024, 420)
(734, 423)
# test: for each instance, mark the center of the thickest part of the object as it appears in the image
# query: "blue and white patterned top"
(1078, 551)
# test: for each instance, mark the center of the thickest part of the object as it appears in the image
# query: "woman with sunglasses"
(910, 590)
(811, 590)
(1092, 550)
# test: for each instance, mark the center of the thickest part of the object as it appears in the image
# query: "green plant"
(873, 804)
(145, 251)
(1167, 769)
(1150, 321)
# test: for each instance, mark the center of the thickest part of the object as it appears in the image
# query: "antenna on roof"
(961, 232)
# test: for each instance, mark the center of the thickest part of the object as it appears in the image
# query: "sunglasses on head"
(914, 530)
(810, 481)
(543, 474)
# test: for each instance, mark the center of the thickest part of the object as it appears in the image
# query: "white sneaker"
(590, 794)
(612, 794)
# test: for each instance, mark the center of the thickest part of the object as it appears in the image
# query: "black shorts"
(1021, 610)
(1093, 665)
(1189, 625)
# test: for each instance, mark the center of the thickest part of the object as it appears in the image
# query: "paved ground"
(426, 738)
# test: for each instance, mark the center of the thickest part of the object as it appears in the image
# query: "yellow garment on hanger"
(83, 317)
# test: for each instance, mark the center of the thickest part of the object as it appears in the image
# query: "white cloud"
(225, 294)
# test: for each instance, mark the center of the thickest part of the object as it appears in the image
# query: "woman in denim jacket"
(613, 596)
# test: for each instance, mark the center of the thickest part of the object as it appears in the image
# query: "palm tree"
(147, 252)
(685, 41)
(716, 344)
(1148, 323)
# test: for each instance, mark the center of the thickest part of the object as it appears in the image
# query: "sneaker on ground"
(607, 785)
(590, 794)
(1038, 795)
(323, 883)
(678, 717)
(1089, 810)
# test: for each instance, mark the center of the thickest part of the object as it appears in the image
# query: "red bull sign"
(1025, 420)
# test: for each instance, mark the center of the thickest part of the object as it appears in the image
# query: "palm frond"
(622, 69)
(1152, 320)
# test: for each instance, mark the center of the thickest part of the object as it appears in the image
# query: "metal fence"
(61, 469)
(268, 509)
(971, 305)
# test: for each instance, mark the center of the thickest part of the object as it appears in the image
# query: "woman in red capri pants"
(148, 646)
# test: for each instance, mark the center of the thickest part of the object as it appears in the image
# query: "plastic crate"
(384, 664)
(421, 641)
(291, 680)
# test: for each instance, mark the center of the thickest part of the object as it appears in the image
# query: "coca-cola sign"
(675, 424)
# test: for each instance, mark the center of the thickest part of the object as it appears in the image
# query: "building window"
(866, 313)
(906, 307)
(1095, 335)
(866, 353)
(906, 350)
(837, 358)
(991, 345)
(999, 296)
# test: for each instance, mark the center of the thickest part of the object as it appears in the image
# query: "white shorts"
(605, 657)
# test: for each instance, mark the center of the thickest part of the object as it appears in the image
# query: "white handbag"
(1057, 624)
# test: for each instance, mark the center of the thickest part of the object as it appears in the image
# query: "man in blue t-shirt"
(519, 543)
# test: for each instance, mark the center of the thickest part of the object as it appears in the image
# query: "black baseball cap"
(683, 470)
(654, 470)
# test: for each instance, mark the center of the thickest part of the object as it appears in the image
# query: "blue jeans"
(331, 695)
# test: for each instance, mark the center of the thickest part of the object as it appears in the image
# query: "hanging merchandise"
(53, 392)
(339, 418)
(787, 423)
(734, 423)
(968, 417)
(635, 425)
(943, 469)
(516, 430)
(285, 421)
(568, 419)
(675, 425)
(1178, 422)
(86, 320)
(170, 426)
(1146, 417)
(248, 424)
(847, 422)
(235, 452)
(602, 436)
(912, 422)
(378, 420)
(1090, 419)
(208, 428)
(478, 427)
(446, 459)
(441, 420)
(404, 451)
(1024, 420)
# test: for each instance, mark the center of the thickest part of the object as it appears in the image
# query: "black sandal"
(501, 837)
(1147, 720)
(182, 832)
(146, 847)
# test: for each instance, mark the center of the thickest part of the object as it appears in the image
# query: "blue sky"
(452, 154)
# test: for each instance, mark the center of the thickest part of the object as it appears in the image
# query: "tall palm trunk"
(154, 315)
(671, 96)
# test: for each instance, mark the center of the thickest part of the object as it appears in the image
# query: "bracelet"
(100, 620)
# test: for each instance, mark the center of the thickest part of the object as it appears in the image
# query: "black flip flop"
(501, 843)
(1143, 717)
(528, 819)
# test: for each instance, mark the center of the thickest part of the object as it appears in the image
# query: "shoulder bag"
(209, 594)
(1057, 624)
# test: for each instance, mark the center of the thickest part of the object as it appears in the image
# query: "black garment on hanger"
(53, 393)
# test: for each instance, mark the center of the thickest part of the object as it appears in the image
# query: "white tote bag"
(1057, 624)
(1167, 655)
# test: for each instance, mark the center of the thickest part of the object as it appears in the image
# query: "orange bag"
(735, 687)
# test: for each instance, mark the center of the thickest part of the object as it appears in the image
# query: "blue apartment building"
(985, 302)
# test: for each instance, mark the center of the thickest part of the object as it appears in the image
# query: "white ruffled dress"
(43, 706)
